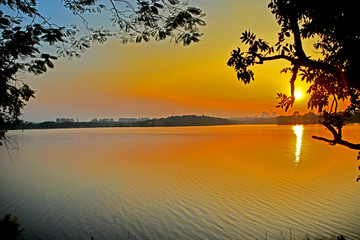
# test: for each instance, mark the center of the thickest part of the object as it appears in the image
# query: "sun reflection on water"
(298, 130)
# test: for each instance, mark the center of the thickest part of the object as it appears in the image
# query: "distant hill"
(185, 120)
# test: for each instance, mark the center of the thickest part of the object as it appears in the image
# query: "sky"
(159, 79)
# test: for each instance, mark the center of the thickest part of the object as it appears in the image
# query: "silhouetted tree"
(10, 228)
(30, 41)
(333, 77)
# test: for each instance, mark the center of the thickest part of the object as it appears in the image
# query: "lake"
(217, 182)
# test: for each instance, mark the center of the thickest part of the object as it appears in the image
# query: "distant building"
(94, 120)
(63, 120)
(127, 119)
(132, 120)
(265, 114)
(106, 120)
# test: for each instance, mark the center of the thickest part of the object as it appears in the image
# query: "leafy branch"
(333, 78)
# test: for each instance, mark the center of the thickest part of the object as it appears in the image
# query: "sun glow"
(298, 95)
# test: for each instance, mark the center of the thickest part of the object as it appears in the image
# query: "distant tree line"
(310, 118)
(296, 118)
(185, 120)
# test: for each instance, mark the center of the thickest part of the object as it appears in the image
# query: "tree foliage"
(10, 228)
(334, 77)
(30, 41)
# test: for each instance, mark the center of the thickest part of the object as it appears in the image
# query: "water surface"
(218, 182)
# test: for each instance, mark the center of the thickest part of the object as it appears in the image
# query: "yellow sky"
(159, 78)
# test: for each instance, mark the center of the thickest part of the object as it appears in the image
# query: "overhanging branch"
(305, 62)
(340, 142)
(276, 57)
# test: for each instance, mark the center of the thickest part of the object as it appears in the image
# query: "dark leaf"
(174, 2)
(195, 11)
(158, 5)
(49, 63)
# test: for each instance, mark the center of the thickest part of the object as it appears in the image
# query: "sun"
(298, 95)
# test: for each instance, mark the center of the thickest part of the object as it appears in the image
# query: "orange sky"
(159, 78)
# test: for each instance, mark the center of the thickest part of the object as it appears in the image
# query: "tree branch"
(115, 9)
(340, 142)
(337, 135)
(276, 57)
(305, 62)
(299, 51)
(292, 82)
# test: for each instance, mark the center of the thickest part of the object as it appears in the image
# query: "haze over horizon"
(158, 79)
(263, 114)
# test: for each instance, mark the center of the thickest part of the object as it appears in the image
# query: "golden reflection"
(298, 130)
